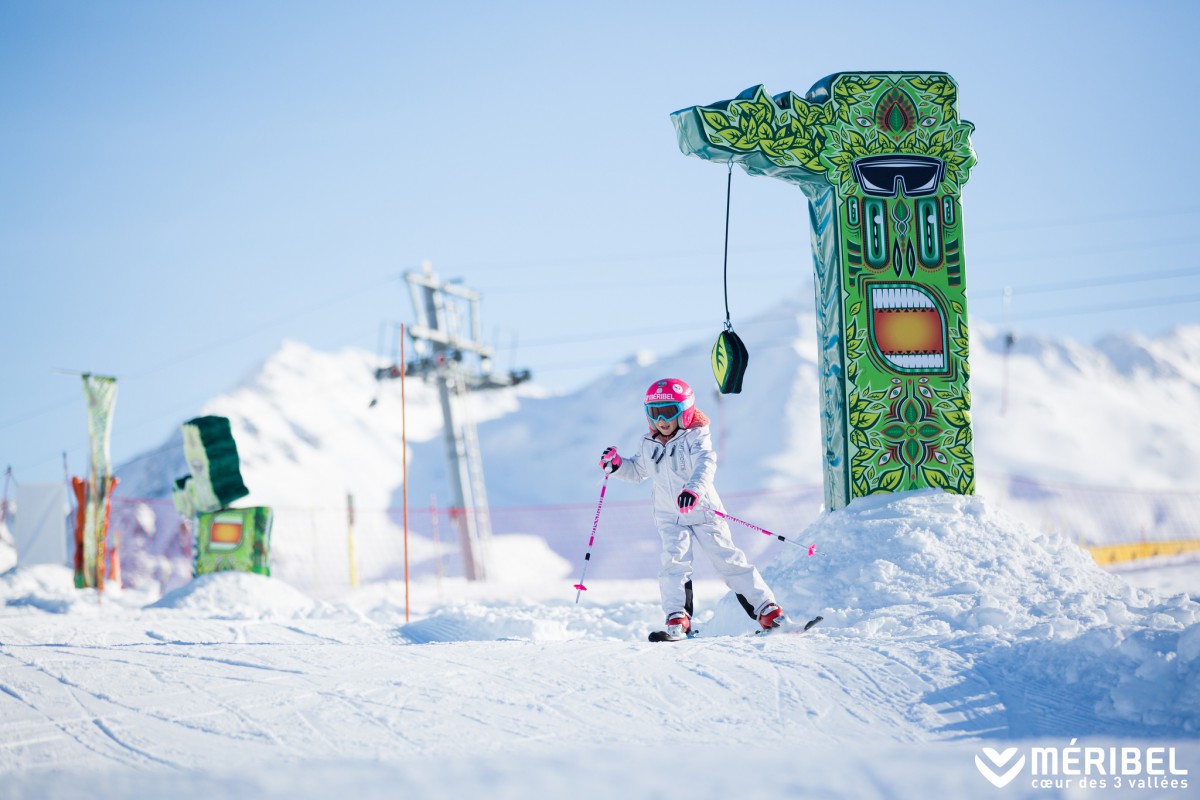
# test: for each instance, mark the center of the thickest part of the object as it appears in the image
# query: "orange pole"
(404, 468)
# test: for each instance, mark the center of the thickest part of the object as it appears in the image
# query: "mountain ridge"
(1111, 414)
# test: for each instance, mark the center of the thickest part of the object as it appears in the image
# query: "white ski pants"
(716, 541)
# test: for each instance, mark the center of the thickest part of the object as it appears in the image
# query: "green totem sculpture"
(882, 158)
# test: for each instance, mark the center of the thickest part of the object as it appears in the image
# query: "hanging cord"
(728, 194)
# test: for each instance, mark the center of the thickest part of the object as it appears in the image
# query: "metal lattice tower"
(447, 342)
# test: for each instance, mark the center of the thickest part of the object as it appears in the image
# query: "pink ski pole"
(579, 587)
(812, 548)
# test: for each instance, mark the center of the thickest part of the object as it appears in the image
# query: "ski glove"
(610, 462)
(685, 501)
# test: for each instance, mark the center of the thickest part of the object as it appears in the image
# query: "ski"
(663, 636)
(789, 627)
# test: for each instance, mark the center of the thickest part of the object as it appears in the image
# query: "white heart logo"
(999, 760)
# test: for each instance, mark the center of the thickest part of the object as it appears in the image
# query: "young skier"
(677, 455)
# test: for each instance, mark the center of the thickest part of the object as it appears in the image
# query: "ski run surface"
(951, 633)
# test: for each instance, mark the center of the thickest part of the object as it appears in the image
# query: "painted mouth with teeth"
(908, 327)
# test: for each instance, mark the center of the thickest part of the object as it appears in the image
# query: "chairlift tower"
(447, 342)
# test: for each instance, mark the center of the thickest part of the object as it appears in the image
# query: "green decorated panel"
(233, 539)
(882, 158)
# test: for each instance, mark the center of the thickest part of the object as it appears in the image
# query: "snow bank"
(552, 622)
(525, 558)
(1029, 609)
(45, 587)
(240, 595)
(933, 564)
(51, 588)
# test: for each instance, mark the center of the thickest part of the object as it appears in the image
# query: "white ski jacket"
(686, 461)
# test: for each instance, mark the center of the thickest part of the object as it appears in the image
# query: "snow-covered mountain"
(1097, 441)
(307, 434)
(1116, 414)
(1119, 413)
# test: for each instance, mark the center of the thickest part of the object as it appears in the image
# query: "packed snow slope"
(948, 627)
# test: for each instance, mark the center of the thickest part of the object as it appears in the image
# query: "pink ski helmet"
(669, 398)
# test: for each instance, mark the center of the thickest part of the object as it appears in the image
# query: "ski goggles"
(663, 412)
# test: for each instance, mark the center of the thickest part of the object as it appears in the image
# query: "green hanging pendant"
(729, 360)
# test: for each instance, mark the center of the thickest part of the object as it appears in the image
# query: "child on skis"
(677, 455)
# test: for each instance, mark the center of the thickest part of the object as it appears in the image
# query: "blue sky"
(185, 185)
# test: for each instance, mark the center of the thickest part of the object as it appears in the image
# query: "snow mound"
(550, 622)
(50, 588)
(480, 623)
(1028, 609)
(240, 595)
(46, 587)
(524, 558)
(934, 564)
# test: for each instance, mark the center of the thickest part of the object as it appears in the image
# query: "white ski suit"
(688, 461)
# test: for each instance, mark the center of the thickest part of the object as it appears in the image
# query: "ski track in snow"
(215, 707)
(211, 709)
(241, 686)
(185, 705)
